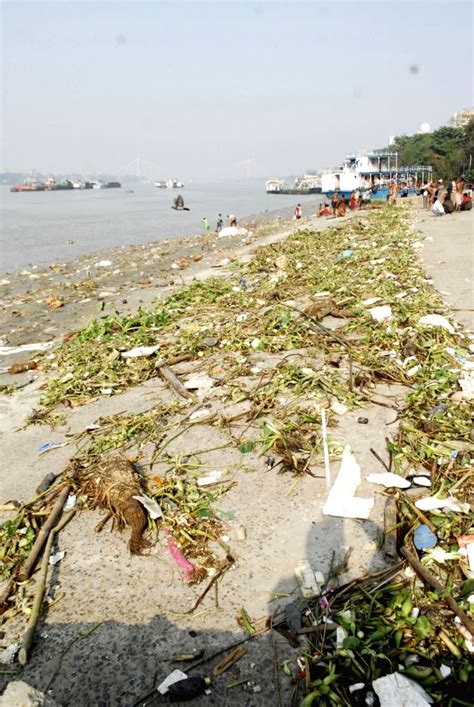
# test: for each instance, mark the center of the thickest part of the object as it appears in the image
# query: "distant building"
(461, 118)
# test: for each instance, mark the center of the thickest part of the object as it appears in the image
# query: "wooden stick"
(390, 523)
(43, 534)
(28, 638)
(430, 579)
(173, 380)
(103, 522)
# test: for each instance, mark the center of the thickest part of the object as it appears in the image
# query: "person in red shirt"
(324, 210)
(341, 208)
(298, 212)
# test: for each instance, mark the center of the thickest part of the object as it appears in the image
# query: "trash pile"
(297, 337)
(404, 635)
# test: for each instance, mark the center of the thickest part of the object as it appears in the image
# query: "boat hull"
(309, 190)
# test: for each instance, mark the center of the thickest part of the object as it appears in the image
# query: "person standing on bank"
(219, 223)
(298, 212)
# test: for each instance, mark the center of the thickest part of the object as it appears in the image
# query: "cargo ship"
(30, 184)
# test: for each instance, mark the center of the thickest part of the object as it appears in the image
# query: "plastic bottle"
(310, 581)
(188, 689)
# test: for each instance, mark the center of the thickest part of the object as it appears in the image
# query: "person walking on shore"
(205, 223)
(219, 223)
(335, 202)
(458, 194)
(298, 212)
(392, 194)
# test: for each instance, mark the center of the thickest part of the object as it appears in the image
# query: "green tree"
(449, 150)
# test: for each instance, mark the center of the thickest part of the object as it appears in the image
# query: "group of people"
(231, 221)
(441, 199)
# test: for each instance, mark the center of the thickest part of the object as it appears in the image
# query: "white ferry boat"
(374, 172)
(309, 183)
(174, 184)
(273, 186)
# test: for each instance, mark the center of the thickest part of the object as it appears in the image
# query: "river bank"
(258, 375)
(43, 303)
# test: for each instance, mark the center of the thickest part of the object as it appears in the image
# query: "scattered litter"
(421, 481)
(424, 538)
(106, 391)
(389, 480)
(140, 351)
(57, 557)
(201, 414)
(200, 382)
(341, 500)
(9, 350)
(173, 677)
(212, 478)
(431, 503)
(188, 689)
(70, 503)
(48, 446)
(8, 654)
(371, 300)
(436, 320)
(381, 314)
(103, 264)
(22, 367)
(346, 254)
(239, 533)
(363, 420)
(53, 302)
(338, 407)
(445, 670)
(309, 580)
(153, 508)
(395, 690)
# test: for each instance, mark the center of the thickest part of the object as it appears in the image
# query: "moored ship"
(374, 172)
(309, 183)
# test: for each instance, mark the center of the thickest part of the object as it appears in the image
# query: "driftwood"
(43, 534)
(29, 636)
(173, 380)
(430, 579)
(390, 529)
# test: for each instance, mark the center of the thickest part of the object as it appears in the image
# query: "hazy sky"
(197, 88)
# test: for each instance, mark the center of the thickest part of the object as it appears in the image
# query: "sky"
(208, 90)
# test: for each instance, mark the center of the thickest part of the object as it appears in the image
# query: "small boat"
(174, 184)
(160, 185)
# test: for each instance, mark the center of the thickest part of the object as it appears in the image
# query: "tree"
(449, 150)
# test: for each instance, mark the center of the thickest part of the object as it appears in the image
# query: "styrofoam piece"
(389, 480)
(436, 320)
(396, 690)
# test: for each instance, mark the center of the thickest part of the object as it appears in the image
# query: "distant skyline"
(206, 90)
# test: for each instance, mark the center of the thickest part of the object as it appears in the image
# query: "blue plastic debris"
(424, 538)
(50, 445)
(346, 254)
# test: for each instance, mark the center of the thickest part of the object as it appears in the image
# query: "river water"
(36, 226)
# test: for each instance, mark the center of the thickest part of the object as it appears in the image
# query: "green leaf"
(246, 447)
